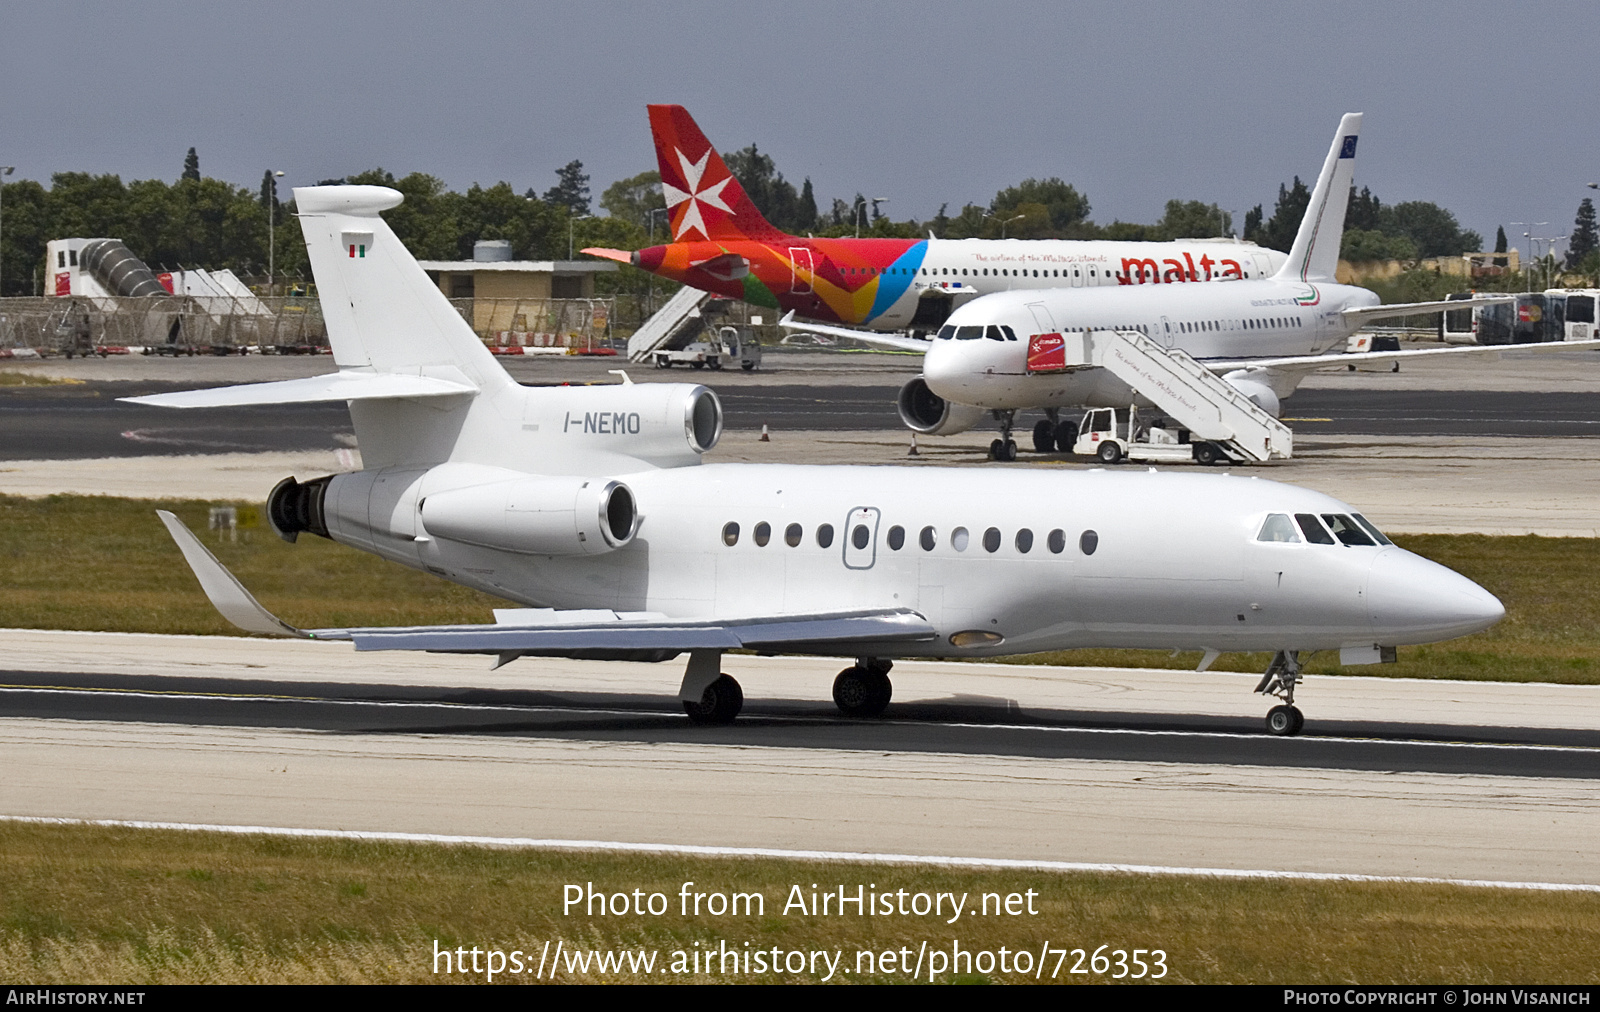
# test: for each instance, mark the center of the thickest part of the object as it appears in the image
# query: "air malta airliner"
(722, 244)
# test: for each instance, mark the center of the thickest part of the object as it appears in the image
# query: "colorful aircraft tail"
(705, 200)
(1315, 254)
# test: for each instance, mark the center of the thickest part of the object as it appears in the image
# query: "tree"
(1361, 245)
(773, 196)
(1433, 230)
(1584, 238)
(1500, 245)
(806, 213)
(191, 166)
(1279, 231)
(1364, 212)
(1252, 224)
(1193, 220)
(269, 192)
(571, 190)
(1064, 208)
(633, 199)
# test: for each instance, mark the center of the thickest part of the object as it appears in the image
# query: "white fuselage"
(1232, 320)
(1172, 561)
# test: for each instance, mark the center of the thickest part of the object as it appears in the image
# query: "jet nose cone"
(942, 368)
(1412, 600)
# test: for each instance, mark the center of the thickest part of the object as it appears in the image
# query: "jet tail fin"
(705, 200)
(1315, 254)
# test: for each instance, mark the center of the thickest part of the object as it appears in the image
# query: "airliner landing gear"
(1280, 679)
(1004, 448)
(864, 690)
(708, 695)
(1044, 433)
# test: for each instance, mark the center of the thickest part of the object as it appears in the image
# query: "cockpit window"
(946, 332)
(1314, 531)
(968, 333)
(993, 333)
(1279, 528)
(1345, 529)
(1011, 335)
(1370, 528)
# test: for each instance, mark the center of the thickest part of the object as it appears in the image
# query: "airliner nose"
(942, 368)
(1412, 600)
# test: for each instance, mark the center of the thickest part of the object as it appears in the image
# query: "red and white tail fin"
(705, 201)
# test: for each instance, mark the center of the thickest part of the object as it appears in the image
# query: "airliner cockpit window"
(968, 333)
(1370, 528)
(946, 332)
(1345, 529)
(1314, 531)
(1011, 335)
(1279, 528)
(993, 333)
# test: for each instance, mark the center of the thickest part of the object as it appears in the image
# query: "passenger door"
(801, 269)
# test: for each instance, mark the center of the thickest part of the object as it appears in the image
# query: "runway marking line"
(696, 850)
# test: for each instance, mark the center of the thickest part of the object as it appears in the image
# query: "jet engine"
(536, 515)
(666, 424)
(1256, 384)
(926, 412)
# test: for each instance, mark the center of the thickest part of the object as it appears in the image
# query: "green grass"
(86, 904)
(101, 563)
(28, 379)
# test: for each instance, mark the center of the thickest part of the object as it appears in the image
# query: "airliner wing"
(1421, 308)
(591, 633)
(885, 340)
(1310, 363)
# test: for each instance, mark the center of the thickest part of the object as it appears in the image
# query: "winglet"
(224, 590)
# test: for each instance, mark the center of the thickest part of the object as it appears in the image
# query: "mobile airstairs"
(1185, 390)
(680, 312)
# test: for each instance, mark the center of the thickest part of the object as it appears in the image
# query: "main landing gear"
(863, 690)
(1051, 434)
(708, 695)
(1280, 679)
(1004, 448)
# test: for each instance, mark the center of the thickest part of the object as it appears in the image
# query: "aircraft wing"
(590, 633)
(1421, 308)
(870, 337)
(1303, 364)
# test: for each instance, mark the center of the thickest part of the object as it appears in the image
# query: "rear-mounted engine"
(294, 507)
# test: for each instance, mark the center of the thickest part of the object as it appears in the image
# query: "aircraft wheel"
(1044, 436)
(1008, 450)
(1066, 436)
(719, 704)
(1207, 454)
(747, 366)
(858, 692)
(997, 448)
(1285, 721)
(697, 365)
(1109, 452)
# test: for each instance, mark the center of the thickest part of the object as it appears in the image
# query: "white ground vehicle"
(1105, 434)
(733, 345)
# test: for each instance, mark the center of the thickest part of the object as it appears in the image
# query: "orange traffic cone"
(913, 452)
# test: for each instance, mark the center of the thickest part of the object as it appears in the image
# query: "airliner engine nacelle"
(1255, 384)
(926, 412)
(536, 515)
(665, 424)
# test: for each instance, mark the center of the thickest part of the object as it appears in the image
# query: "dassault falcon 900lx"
(590, 506)
(723, 245)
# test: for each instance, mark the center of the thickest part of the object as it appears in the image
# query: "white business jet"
(589, 506)
(1151, 345)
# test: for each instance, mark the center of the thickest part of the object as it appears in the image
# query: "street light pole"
(5, 170)
(571, 222)
(272, 228)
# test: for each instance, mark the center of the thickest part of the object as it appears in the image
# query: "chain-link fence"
(285, 325)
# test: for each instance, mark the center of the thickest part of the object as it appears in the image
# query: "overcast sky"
(1486, 108)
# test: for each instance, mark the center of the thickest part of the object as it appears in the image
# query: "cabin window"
(928, 539)
(1345, 529)
(1368, 526)
(1314, 531)
(1056, 541)
(762, 534)
(958, 539)
(792, 535)
(897, 538)
(1278, 528)
(1024, 541)
(860, 536)
(825, 536)
(730, 534)
(991, 540)
(1088, 542)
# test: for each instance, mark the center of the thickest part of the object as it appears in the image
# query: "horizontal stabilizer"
(338, 386)
(895, 341)
(1420, 308)
(549, 632)
(621, 256)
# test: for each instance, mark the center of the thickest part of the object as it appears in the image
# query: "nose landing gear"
(1004, 448)
(1282, 675)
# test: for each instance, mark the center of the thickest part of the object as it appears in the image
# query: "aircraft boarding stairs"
(1186, 391)
(682, 310)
